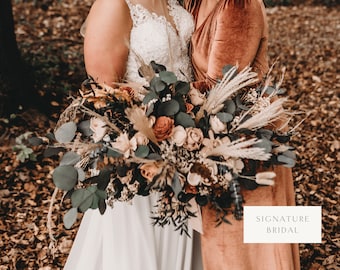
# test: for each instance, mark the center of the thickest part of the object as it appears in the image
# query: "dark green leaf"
(70, 158)
(65, 177)
(35, 141)
(182, 88)
(168, 108)
(224, 117)
(142, 151)
(84, 127)
(150, 96)
(113, 153)
(229, 106)
(157, 67)
(157, 85)
(176, 184)
(103, 179)
(184, 120)
(265, 144)
(168, 77)
(52, 151)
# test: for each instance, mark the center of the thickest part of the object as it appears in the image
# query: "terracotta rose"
(163, 127)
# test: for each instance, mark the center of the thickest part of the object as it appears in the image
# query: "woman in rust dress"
(236, 32)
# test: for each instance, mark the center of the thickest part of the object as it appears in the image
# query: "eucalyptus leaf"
(102, 206)
(52, 151)
(287, 161)
(103, 179)
(157, 67)
(265, 144)
(34, 141)
(182, 88)
(142, 151)
(168, 77)
(113, 153)
(70, 217)
(83, 198)
(154, 156)
(150, 96)
(184, 120)
(150, 109)
(229, 106)
(66, 132)
(70, 158)
(84, 127)
(168, 108)
(81, 174)
(176, 184)
(157, 84)
(101, 194)
(65, 177)
(95, 202)
(224, 117)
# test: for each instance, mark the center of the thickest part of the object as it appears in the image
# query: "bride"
(117, 33)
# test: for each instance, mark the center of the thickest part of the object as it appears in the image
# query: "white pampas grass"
(267, 115)
(228, 86)
(240, 148)
(141, 122)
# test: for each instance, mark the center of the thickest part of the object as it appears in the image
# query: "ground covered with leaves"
(305, 41)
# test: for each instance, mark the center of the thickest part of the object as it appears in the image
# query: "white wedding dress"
(124, 237)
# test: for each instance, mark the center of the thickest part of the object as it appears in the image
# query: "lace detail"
(153, 37)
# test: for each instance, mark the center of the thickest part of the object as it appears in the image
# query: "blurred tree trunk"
(16, 83)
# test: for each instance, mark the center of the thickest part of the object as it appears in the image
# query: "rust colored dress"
(233, 35)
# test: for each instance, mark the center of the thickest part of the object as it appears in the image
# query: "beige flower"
(265, 178)
(194, 139)
(194, 178)
(179, 135)
(141, 139)
(236, 164)
(98, 127)
(124, 145)
(217, 125)
(163, 127)
(196, 97)
(150, 170)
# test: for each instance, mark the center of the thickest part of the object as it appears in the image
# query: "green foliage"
(23, 151)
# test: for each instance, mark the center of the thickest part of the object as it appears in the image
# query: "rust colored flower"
(163, 128)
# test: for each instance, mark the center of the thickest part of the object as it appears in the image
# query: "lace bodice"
(154, 38)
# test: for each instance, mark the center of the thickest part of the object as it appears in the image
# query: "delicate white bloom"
(194, 179)
(265, 178)
(196, 97)
(124, 145)
(98, 127)
(141, 139)
(217, 125)
(179, 135)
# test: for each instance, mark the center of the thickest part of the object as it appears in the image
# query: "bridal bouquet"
(192, 148)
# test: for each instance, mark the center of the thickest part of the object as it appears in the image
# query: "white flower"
(217, 125)
(194, 139)
(179, 135)
(141, 139)
(196, 97)
(98, 127)
(265, 178)
(194, 179)
(124, 145)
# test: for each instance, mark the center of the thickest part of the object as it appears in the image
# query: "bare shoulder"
(110, 10)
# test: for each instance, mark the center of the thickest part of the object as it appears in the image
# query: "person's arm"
(106, 40)
(237, 37)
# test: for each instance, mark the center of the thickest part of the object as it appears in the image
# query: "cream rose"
(194, 139)
(179, 135)
(141, 139)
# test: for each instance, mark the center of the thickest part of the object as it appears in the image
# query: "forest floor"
(305, 41)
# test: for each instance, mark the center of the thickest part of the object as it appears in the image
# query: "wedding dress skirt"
(125, 239)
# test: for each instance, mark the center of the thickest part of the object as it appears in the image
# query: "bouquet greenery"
(192, 148)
